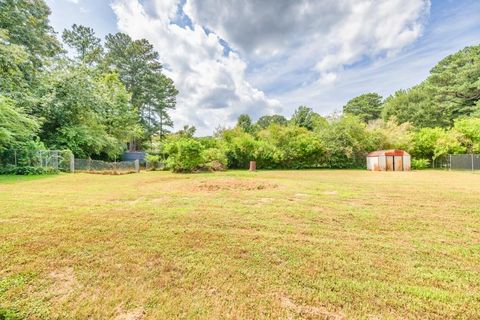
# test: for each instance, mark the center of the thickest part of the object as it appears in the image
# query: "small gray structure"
(134, 155)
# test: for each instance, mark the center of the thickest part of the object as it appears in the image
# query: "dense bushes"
(186, 154)
(340, 142)
(290, 147)
(214, 159)
(419, 164)
(440, 116)
(26, 170)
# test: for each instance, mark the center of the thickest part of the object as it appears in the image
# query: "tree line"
(439, 116)
(90, 96)
(98, 97)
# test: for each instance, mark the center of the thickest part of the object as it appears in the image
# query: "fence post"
(449, 162)
(137, 166)
(72, 164)
(473, 167)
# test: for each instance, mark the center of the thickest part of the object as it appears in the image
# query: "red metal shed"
(388, 160)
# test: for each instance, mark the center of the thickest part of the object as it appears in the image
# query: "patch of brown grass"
(232, 185)
(64, 282)
(310, 312)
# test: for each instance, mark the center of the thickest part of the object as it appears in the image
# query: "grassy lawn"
(273, 244)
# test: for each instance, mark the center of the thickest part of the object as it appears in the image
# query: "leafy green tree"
(27, 24)
(305, 117)
(302, 117)
(347, 141)
(265, 121)
(425, 141)
(415, 106)
(117, 114)
(469, 128)
(245, 122)
(367, 106)
(290, 147)
(449, 143)
(15, 126)
(88, 114)
(187, 131)
(214, 159)
(240, 147)
(431, 143)
(450, 92)
(456, 82)
(161, 96)
(184, 154)
(13, 64)
(88, 47)
(391, 135)
(153, 94)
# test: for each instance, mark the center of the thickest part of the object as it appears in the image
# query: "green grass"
(18, 178)
(276, 244)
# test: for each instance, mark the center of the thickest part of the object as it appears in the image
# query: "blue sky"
(262, 57)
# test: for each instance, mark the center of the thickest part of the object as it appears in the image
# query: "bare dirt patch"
(310, 311)
(301, 195)
(130, 202)
(64, 282)
(330, 193)
(136, 314)
(233, 185)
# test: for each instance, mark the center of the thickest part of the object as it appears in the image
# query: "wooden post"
(253, 166)
(473, 167)
(137, 166)
(72, 164)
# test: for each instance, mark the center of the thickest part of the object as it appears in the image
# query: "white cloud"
(294, 46)
(457, 28)
(213, 88)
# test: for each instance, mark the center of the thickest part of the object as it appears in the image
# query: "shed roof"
(392, 152)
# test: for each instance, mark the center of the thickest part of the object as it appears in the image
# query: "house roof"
(392, 152)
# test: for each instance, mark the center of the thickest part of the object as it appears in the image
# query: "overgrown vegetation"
(107, 96)
(113, 95)
(26, 170)
(438, 117)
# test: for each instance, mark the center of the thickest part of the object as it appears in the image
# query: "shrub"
(214, 159)
(153, 162)
(240, 147)
(419, 164)
(347, 141)
(184, 155)
(26, 171)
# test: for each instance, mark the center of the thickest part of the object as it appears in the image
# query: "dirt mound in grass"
(233, 184)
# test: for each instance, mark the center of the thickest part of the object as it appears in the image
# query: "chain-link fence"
(58, 159)
(63, 160)
(103, 167)
(470, 162)
(54, 159)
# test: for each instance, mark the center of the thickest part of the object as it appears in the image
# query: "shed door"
(398, 163)
(390, 162)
